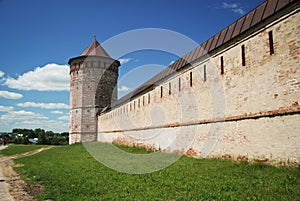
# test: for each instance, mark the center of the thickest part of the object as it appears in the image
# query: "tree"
(44, 137)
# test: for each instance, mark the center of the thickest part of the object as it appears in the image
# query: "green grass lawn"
(19, 149)
(70, 173)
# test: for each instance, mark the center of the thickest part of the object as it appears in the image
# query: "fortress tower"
(93, 87)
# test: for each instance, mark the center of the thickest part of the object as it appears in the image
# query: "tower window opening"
(191, 79)
(143, 100)
(169, 88)
(161, 92)
(271, 43)
(179, 84)
(148, 98)
(243, 56)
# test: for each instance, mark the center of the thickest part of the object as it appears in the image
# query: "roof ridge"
(95, 49)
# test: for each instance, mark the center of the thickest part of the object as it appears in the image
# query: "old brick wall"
(247, 110)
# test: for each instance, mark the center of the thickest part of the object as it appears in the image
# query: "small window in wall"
(148, 98)
(139, 103)
(191, 79)
(204, 73)
(179, 84)
(143, 100)
(243, 56)
(169, 88)
(130, 106)
(222, 65)
(161, 92)
(134, 105)
(271, 42)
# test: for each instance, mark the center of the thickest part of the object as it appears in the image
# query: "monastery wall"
(242, 101)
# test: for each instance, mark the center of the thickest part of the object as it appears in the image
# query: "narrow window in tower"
(133, 105)
(169, 88)
(191, 79)
(179, 84)
(148, 98)
(138, 103)
(204, 73)
(243, 56)
(271, 42)
(222, 65)
(161, 92)
(130, 106)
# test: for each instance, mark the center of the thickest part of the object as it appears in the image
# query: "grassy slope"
(19, 149)
(70, 173)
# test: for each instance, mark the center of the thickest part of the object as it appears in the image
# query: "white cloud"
(10, 95)
(64, 118)
(50, 125)
(125, 60)
(234, 7)
(30, 120)
(123, 88)
(51, 77)
(20, 116)
(56, 112)
(1, 73)
(239, 11)
(229, 5)
(44, 105)
(5, 108)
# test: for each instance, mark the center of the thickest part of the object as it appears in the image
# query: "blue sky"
(38, 37)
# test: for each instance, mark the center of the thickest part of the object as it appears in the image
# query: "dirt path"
(16, 188)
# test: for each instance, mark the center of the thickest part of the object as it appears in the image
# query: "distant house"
(33, 140)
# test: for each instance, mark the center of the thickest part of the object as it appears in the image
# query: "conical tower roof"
(95, 49)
